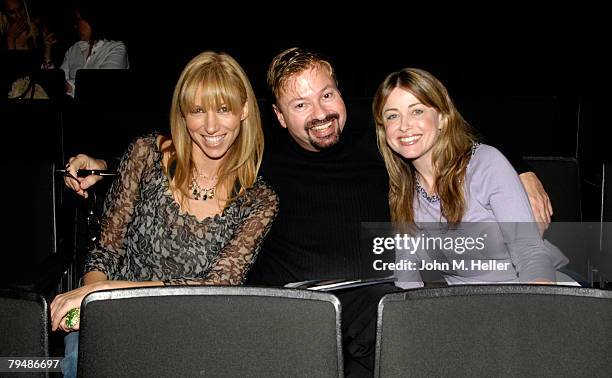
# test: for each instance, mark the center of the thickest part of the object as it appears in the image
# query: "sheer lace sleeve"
(236, 258)
(119, 208)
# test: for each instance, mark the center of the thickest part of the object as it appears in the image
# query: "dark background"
(534, 77)
(514, 49)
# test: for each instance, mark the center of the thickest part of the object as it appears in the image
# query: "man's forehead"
(307, 83)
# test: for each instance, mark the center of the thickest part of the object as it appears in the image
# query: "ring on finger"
(73, 317)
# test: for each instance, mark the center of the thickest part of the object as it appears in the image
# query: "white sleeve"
(116, 58)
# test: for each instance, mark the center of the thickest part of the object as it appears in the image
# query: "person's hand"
(65, 302)
(17, 28)
(49, 40)
(81, 184)
(538, 198)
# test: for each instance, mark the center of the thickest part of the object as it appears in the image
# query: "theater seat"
(492, 331)
(24, 324)
(606, 193)
(53, 82)
(602, 259)
(210, 331)
(104, 85)
(561, 179)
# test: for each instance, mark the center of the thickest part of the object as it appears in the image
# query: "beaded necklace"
(199, 193)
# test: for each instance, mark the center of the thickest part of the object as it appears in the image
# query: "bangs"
(427, 89)
(210, 87)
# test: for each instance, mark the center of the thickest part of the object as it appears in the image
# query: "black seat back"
(24, 324)
(602, 258)
(511, 330)
(103, 84)
(53, 82)
(561, 179)
(210, 331)
(606, 193)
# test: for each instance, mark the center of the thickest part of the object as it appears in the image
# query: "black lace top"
(145, 236)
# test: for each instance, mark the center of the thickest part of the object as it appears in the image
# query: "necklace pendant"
(199, 193)
(209, 193)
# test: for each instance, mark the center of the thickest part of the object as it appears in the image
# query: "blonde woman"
(17, 29)
(185, 210)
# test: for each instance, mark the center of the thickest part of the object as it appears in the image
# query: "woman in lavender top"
(439, 175)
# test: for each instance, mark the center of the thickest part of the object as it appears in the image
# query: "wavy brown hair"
(221, 81)
(450, 153)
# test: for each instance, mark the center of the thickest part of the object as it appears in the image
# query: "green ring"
(72, 317)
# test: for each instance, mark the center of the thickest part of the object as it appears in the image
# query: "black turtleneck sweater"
(323, 198)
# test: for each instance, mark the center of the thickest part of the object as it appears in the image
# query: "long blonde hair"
(450, 154)
(221, 81)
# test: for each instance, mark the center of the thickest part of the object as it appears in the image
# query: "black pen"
(87, 172)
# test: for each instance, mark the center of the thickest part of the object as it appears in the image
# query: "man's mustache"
(318, 122)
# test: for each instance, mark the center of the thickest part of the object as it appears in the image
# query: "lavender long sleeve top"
(498, 211)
